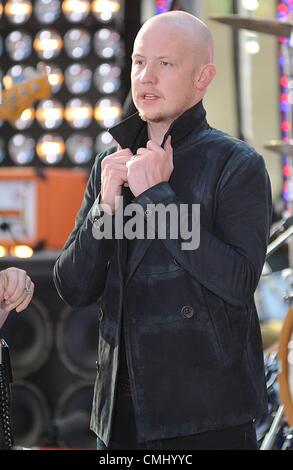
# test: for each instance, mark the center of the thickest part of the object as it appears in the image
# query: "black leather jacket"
(191, 329)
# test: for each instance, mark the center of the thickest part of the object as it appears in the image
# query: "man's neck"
(157, 131)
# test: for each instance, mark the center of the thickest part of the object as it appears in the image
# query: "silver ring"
(28, 290)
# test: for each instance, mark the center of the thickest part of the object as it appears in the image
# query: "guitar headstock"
(16, 99)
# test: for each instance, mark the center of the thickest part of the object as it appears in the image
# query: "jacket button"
(187, 312)
(101, 314)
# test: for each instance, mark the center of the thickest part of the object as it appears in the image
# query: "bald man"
(170, 242)
(16, 291)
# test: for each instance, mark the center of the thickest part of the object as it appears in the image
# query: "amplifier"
(38, 205)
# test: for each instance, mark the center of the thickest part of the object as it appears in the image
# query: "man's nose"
(148, 75)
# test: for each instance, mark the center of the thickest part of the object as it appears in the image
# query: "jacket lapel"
(131, 259)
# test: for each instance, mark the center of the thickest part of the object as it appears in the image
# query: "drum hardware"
(260, 25)
(288, 443)
(272, 247)
(288, 298)
(279, 227)
(282, 425)
(271, 436)
(283, 420)
(282, 147)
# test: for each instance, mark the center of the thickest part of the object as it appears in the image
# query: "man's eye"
(164, 63)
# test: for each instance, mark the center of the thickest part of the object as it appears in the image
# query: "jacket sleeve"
(80, 270)
(230, 256)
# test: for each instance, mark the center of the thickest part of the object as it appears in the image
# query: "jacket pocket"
(230, 326)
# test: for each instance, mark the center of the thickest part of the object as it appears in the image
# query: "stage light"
(107, 43)
(18, 45)
(77, 43)
(50, 148)
(48, 44)
(1, 9)
(107, 78)
(55, 76)
(104, 141)
(76, 10)
(47, 11)
(49, 114)
(21, 149)
(252, 45)
(78, 113)
(108, 111)
(104, 10)
(78, 78)
(18, 11)
(250, 5)
(25, 120)
(79, 148)
(21, 251)
(17, 74)
(3, 251)
(162, 6)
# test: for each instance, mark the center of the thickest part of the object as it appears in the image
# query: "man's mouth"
(150, 97)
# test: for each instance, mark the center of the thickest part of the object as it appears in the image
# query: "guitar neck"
(19, 97)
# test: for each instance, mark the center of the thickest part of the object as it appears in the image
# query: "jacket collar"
(129, 132)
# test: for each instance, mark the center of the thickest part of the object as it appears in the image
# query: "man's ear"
(206, 76)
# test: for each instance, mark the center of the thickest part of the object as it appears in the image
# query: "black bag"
(6, 439)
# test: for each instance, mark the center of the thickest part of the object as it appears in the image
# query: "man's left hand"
(152, 165)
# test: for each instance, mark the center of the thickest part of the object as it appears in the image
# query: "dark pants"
(124, 435)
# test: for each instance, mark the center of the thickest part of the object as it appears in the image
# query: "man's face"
(163, 74)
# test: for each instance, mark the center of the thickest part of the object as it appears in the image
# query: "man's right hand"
(113, 178)
(16, 291)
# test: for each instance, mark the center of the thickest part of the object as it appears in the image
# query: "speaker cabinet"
(53, 355)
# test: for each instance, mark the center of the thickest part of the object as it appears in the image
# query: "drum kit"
(275, 291)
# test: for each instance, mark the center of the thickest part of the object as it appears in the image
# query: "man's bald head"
(171, 66)
(187, 28)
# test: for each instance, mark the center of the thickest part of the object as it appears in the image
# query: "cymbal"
(280, 146)
(261, 25)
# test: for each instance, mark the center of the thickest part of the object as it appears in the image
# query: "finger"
(113, 170)
(142, 150)
(153, 146)
(168, 144)
(119, 152)
(22, 279)
(2, 286)
(11, 282)
(117, 173)
(169, 149)
(119, 159)
(133, 162)
(24, 304)
(116, 164)
(14, 305)
(3, 315)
